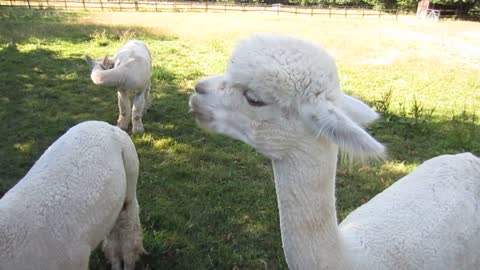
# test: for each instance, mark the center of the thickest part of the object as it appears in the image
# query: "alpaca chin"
(203, 117)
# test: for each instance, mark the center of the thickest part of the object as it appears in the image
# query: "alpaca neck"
(110, 77)
(305, 186)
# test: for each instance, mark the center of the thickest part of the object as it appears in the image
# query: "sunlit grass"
(207, 201)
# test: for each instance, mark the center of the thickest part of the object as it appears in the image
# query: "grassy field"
(208, 202)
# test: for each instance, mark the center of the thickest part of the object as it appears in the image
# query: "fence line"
(183, 6)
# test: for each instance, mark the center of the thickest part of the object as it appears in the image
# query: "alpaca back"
(133, 61)
(429, 219)
(68, 201)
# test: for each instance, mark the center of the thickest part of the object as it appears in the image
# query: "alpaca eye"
(253, 100)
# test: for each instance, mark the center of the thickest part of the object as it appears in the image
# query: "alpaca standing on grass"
(282, 96)
(129, 72)
(81, 191)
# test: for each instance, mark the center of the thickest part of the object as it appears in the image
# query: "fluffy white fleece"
(129, 72)
(81, 191)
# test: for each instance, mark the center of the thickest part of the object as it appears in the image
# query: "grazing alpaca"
(129, 72)
(81, 191)
(282, 96)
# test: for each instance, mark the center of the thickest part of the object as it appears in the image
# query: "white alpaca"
(81, 191)
(282, 96)
(129, 72)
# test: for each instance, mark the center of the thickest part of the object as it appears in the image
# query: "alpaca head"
(102, 63)
(278, 92)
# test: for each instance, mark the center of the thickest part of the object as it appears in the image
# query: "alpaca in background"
(129, 72)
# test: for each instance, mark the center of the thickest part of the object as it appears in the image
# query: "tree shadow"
(43, 95)
(41, 87)
(185, 184)
(16, 27)
(189, 174)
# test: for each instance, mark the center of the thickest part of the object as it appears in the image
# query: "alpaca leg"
(127, 241)
(124, 243)
(125, 110)
(148, 100)
(138, 105)
(81, 258)
(112, 248)
(132, 245)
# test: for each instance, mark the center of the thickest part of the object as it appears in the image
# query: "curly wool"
(70, 200)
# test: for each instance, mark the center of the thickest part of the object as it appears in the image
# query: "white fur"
(129, 72)
(282, 96)
(81, 191)
(357, 110)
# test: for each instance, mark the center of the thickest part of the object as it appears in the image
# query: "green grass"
(207, 201)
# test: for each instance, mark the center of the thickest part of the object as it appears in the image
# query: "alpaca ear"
(105, 60)
(326, 120)
(357, 111)
(90, 61)
(106, 63)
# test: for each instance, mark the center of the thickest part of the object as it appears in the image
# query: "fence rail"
(183, 6)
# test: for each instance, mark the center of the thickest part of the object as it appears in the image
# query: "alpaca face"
(247, 115)
(280, 94)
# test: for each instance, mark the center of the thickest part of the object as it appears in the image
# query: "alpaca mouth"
(202, 116)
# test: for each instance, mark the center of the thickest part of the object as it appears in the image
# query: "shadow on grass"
(18, 25)
(42, 96)
(416, 140)
(197, 210)
(207, 201)
(44, 93)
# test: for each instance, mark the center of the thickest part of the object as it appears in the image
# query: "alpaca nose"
(201, 87)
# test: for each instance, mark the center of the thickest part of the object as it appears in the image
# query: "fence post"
(83, 2)
(120, 4)
(48, 4)
(278, 11)
(363, 12)
(65, 2)
(345, 10)
(28, 2)
(136, 5)
(225, 6)
(101, 5)
(156, 10)
(380, 13)
(11, 3)
(329, 12)
(295, 10)
(396, 15)
(206, 6)
(311, 12)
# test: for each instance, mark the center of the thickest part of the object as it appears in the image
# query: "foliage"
(463, 7)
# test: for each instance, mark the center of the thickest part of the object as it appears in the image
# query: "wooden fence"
(182, 6)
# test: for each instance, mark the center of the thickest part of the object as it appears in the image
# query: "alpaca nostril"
(200, 88)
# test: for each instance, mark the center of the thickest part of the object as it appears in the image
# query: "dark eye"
(253, 100)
